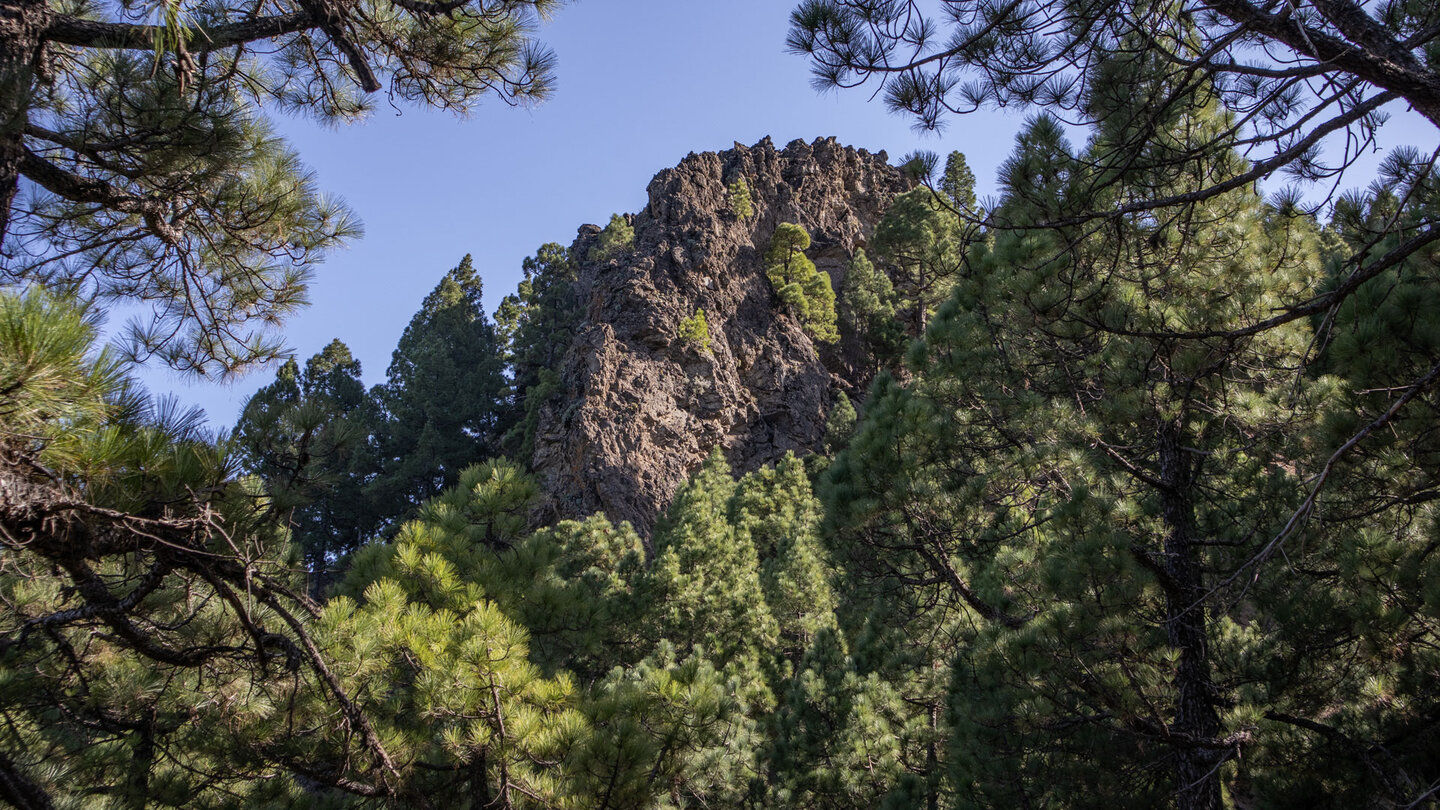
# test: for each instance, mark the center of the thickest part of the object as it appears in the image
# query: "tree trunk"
(932, 756)
(20, 790)
(142, 760)
(480, 794)
(1195, 722)
(21, 25)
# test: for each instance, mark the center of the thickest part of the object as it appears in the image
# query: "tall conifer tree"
(306, 435)
(443, 403)
(1082, 482)
(536, 324)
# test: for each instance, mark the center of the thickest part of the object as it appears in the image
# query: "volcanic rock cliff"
(641, 408)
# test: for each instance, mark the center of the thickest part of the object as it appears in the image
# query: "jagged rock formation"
(642, 408)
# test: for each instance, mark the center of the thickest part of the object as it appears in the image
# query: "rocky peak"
(641, 408)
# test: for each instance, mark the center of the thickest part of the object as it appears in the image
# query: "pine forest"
(824, 480)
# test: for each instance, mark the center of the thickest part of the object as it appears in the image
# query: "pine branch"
(77, 188)
(67, 30)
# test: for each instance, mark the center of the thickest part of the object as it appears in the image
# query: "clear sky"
(641, 83)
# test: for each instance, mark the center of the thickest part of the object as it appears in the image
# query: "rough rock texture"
(641, 408)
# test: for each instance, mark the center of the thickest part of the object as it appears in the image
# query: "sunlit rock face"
(640, 407)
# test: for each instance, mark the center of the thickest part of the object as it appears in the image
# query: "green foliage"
(839, 424)
(48, 377)
(738, 192)
(143, 650)
(774, 511)
(444, 402)
(153, 650)
(304, 435)
(1105, 543)
(921, 243)
(671, 732)
(837, 741)
(694, 331)
(705, 581)
(157, 173)
(640, 725)
(616, 239)
(535, 325)
(804, 289)
(1090, 484)
(958, 185)
(573, 585)
(445, 671)
(868, 310)
(919, 165)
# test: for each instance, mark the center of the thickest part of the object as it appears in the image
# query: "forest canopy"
(1138, 509)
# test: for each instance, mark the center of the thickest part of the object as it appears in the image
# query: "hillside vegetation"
(816, 483)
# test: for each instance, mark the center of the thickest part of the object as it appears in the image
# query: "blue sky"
(641, 83)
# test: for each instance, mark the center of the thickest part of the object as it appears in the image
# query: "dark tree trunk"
(932, 758)
(1195, 723)
(19, 790)
(142, 760)
(21, 25)
(480, 793)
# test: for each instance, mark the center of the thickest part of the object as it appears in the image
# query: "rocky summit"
(641, 408)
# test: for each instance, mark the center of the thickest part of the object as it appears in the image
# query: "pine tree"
(305, 436)
(439, 662)
(740, 201)
(444, 399)
(573, 587)
(536, 325)
(705, 581)
(1076, 477)
(158, 174)
(838, 734)
(1365, 564)
(617, 237)
(922, 240)
(151, 630)
(868, 310)
(774, 511)
(672, 732)
(839, 424)
(957, 183)
(798, 284)
(695, 331)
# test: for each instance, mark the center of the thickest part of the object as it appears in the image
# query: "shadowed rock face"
(641, 409)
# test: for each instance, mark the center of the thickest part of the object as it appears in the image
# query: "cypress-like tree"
(442, 406)
(306, 436)
(536, 324)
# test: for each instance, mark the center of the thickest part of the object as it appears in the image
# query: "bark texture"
(22, 23)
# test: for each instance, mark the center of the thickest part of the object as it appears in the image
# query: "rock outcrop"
(641, 408)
